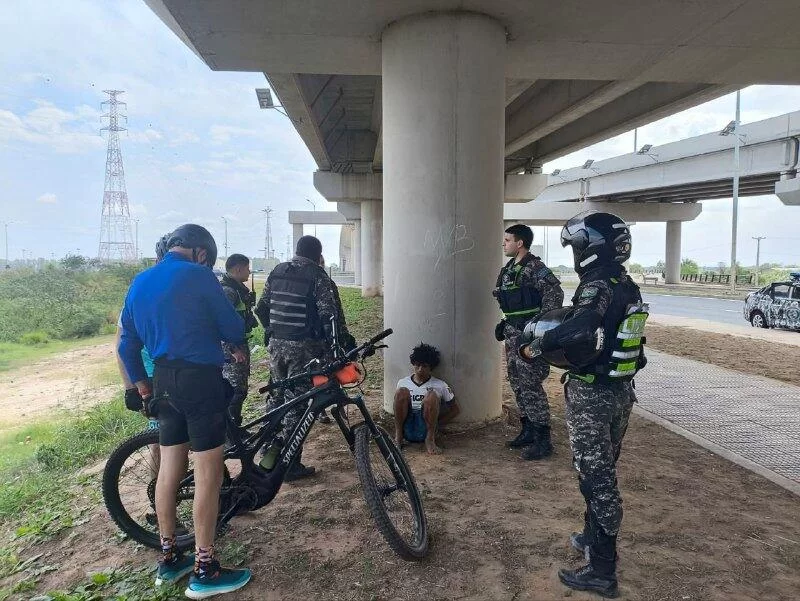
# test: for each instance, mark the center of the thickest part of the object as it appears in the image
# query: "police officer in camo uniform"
(237, 271)
(295, 309)
(525, 288)
(600, 339)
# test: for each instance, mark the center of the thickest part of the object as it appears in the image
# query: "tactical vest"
(519, 303)
(293, 306)
(623, 335)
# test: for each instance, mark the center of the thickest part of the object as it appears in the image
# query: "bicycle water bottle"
(271, 456)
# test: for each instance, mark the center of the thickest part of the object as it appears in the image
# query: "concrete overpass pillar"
(371, 248)
(297, 233)
(443, 141)
(356, 250)
(672, 271)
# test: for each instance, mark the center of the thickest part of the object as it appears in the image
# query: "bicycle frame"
(245, 448)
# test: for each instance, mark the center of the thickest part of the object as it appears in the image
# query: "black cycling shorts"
(192, 405)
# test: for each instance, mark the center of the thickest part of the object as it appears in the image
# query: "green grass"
(13, 354)
(41, 493)
(36, 478)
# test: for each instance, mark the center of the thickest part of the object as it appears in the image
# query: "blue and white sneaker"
(172, 571)
(216, 581)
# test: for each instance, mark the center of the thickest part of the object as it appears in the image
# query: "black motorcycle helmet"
(596, 239)
(194, 236)
(161, 246)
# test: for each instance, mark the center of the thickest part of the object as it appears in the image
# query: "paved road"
(719, 310)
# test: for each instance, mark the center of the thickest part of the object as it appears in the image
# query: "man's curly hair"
(425, 354)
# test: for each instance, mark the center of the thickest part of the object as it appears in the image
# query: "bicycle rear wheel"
(129, 492)
(391, 493)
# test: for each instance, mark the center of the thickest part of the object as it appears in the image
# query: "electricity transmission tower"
(116, 239)
(268, 252)
(289, 248)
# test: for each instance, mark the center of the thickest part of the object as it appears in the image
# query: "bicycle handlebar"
(330, 367)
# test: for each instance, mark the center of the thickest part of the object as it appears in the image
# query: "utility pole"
(267, 234)
(115, 223)
(758, 240)
(289, 248)
(225, 219)
(635, 136)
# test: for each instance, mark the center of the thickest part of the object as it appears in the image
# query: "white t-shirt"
(418, 392)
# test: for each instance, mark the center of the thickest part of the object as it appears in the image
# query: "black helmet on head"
(161, 246)
(194, 236)
(596, 239)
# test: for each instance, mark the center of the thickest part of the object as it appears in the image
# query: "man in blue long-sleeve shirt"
(178, 311)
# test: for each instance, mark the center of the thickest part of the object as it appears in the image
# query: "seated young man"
(423, 403)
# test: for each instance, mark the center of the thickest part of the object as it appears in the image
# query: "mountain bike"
(388, 485)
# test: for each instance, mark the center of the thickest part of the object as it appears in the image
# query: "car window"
(795, 292)
(780, 291)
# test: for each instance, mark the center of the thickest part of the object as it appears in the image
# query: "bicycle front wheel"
(129, 492)
(391, 493)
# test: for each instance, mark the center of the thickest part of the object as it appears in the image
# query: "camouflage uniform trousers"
(237, 375)
(526, 380)
(287, 358)
(597, 418)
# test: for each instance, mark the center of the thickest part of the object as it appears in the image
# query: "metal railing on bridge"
(715, 278)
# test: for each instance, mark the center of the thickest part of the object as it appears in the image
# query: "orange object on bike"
(349, 374)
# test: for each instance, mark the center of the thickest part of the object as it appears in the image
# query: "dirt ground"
(696, 527)
(65, 381)
(748, 355)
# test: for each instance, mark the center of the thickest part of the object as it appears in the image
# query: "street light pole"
(758, 240)
(735, 221)
(136, 246)
(225, 219)
(314, 207)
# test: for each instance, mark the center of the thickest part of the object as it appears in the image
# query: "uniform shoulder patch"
(589, 294)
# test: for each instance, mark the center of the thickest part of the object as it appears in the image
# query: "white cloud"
(184, 168)
(222, 134)
(148, 136)
(183, 137)
(50, 126)
(49, 199)
(138, 210)
(172, 215)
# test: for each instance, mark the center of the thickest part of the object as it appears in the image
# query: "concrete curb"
(781, 481)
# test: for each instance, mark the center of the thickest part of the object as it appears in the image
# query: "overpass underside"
(446, 98)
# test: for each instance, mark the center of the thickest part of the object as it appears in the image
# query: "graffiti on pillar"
(447, 242)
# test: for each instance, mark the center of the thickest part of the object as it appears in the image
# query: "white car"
(775, 306)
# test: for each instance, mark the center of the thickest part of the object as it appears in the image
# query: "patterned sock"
(203, 558)
(168, 549)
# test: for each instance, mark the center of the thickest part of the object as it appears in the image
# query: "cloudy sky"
(199, 148)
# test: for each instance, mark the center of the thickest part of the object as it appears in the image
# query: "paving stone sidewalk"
(740, 415)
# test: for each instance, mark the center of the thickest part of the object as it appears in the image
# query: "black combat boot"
(541, 447)
(524, 437)
(600, 574)
(298, 471)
